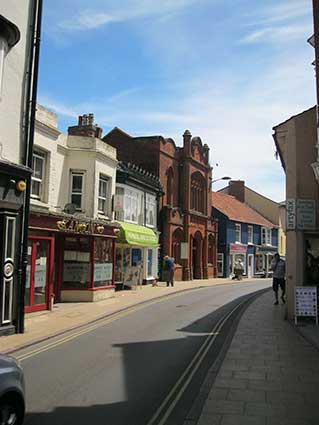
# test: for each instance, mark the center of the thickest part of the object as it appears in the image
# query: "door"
(39, 282)
(220, 264)
(250, 265)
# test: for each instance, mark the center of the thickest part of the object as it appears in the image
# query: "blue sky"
(227, 70)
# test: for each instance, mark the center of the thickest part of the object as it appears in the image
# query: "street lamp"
(221, 178)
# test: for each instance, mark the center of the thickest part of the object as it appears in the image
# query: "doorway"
(250, 265)
(39, 279)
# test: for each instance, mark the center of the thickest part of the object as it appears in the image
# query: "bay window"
(151, 210)
(103, 195)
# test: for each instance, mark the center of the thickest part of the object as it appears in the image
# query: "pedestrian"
(278, 266)
(168, 270)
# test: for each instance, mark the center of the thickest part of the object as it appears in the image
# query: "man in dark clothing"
(278, 267)
(168, 269)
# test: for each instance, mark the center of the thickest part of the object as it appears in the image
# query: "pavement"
(270, 373)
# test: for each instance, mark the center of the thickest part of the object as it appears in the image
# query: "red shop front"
(69, 260)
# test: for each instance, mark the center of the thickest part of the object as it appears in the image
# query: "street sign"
(290, 214)
(306, 302)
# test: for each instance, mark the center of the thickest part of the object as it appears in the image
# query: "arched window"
(198, 192)
(211, 249)
(169, 188)
(176, 245)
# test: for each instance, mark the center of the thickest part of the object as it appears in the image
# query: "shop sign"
(306, 214)
(103, 271)
(235, 248)
(78, 226)
(290, 214)
(306, 302)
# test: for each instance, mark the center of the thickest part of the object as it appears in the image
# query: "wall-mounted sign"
(184, 250)
(306, 214)
(77, 226)
(290, 214)
(236, 248)
(306, 302)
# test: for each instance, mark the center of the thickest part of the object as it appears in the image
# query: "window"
(237, 233)
(77, 189)
(198, 192)
(211, 249)
(151, 210)
(103, 195)
(250, 234)
(119, 203)
(177, 239)
(265, 236)
(133, 206)
(169, 193)
(37, 179)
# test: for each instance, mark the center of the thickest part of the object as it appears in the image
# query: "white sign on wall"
(103, 271)
(118, 203)
(184, 250)
(290, 214)
(306, 302)
(306, 214)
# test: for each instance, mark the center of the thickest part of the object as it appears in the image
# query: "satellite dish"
(70, 208)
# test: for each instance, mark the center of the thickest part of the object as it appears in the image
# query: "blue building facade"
(244, 235)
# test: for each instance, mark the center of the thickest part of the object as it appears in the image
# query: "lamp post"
(221, 178)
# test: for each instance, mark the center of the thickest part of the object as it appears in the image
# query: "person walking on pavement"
(168, 269)
(278, 266)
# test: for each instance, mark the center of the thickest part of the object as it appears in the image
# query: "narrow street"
(142, 368)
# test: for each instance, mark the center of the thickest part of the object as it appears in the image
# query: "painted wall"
(72, 153)
(12, 97)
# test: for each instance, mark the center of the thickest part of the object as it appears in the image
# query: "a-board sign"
(306, 302)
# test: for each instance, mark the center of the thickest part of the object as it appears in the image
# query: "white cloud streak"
(126, 10)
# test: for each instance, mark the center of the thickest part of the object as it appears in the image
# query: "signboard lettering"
(306, 217)
(291, 214)
(77, 226)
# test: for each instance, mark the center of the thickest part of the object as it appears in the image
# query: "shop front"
(237, 252)
(136, 255)
(263, 259)
(69, 259)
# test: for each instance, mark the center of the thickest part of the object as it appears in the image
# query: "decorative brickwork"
(185, 208)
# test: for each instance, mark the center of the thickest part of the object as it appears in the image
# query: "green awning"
(132, 234)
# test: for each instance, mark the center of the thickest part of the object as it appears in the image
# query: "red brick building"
(187, 231)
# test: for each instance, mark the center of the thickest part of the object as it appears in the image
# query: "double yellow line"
(89, 328)
(190, 371)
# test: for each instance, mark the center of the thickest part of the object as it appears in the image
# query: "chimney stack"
(236, 188)
(86, 127)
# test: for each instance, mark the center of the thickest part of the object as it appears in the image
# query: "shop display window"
(77, 267)
(103, 262)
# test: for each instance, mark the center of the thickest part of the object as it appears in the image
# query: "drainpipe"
(30, 110)
(315, 4)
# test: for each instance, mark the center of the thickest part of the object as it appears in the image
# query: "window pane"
(38, 167)
(77, 183)
(35, 188)
(76, 199)
(102, 205)
(103, 188)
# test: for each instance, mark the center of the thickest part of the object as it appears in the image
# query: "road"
(142, 368)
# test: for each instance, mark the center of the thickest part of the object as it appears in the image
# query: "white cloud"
(126, 10)
(277, 34)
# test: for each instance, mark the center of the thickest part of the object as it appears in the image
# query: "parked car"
(12, 400)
